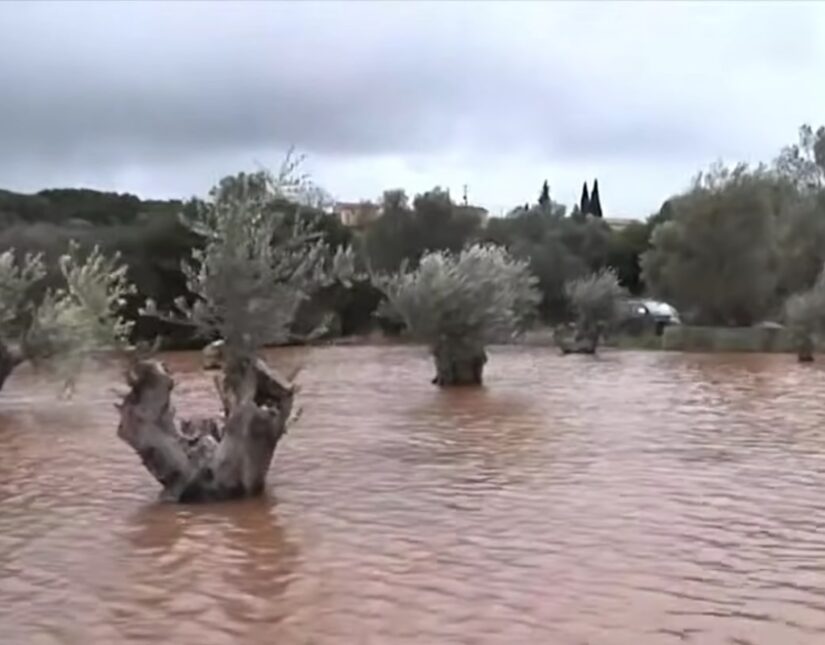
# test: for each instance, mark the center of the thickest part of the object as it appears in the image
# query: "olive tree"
(16, 282)
(458, 303)
(595, 300)
(249, 276)
(804, 162)
(71, 324)
(805, 315)
(716, 255)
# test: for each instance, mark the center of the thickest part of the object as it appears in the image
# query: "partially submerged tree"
(71, 324)
(805, 315)
(595, 301)
(458, 303)
(249, 278)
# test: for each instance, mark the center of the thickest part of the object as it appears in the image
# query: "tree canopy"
(70, 323)
(480, 292)
(256, 265)
(716, 256)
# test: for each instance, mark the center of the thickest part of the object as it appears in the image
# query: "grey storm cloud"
(107, 84)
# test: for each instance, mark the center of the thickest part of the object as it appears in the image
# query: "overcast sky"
(162, 99)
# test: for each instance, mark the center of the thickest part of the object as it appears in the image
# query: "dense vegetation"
(730, 250)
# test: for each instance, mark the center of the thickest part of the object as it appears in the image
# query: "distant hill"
(62, 205)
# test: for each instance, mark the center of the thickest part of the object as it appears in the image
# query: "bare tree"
(458, 303)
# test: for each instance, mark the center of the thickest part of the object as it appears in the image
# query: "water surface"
(635, 498)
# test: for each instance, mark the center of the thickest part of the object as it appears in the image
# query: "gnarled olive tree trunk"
(206, 459)
(9, 359)
(458, 362)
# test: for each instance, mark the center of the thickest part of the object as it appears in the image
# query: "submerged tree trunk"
(9, 359)
(584, 341)
(805, 348)
(212, 355)
(458, 363)
(205, 459)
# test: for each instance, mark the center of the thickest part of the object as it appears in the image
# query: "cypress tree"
(595, 202)
(584, 203)
(544, 197)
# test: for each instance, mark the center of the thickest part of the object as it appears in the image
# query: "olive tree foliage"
(802, 229)
(805, 315)
(82, 318)
(73, 322)
(459, 302)
(595, 300)
(16, 282)
(801, 241)
(481, 292)
(256, 265)
(804, 162)
(716, 256)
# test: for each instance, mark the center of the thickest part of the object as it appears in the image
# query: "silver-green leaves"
(481, 293)
(256, 265)
(83, 317)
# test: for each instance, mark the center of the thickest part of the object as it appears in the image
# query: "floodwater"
(635, 498)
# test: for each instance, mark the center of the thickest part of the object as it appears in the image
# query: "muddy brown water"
(635, 498)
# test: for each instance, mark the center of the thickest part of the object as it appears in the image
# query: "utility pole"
(465, 195)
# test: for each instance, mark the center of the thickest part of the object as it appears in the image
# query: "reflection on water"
(632, 498)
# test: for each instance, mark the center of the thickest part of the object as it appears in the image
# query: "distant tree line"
(730, 250)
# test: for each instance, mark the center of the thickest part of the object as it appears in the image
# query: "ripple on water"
(632, 498)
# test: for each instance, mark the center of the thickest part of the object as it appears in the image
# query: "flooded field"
(637, 498)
